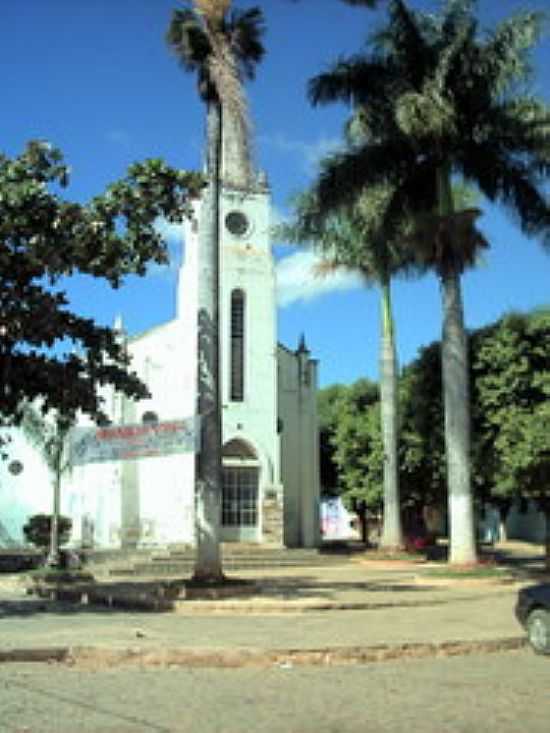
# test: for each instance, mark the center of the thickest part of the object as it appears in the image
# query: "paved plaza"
(353, 612)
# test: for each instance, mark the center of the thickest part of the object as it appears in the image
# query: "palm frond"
(532, 115)
(511, 181)
(448, 243)
(430, 110)
(187, 39)
(222, 47)
(405, 40)
(446, 97)
(327, 267)
(245, 30)
(345, 175)
(359, 237)
(457, 15)
(505, 58)
(356, 80)
(190, 44)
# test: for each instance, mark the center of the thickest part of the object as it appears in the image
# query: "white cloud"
(173, 235)
(310, 152)
(297, 279)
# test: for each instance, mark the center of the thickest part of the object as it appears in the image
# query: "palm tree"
(354, 238)
(48, 433)
(222, 48)
(441, 101)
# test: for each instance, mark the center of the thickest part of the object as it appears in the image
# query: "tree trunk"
(456, 400)
(503, 506)
(236, 167)
(208, 567)
(392, 534)
(502, 530)
(454, 357)
(54, 556)
(545, 507)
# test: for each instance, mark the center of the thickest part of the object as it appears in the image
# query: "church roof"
(153, 331)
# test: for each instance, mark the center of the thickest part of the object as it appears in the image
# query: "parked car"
(533, 613)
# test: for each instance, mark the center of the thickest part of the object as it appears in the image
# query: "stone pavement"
(349, 613)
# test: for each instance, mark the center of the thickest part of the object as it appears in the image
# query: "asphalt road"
(506, 692)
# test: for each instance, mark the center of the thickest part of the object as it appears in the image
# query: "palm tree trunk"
(53, 554)
(236, 167)
(456, 401)
(392, 534)
(208, 567)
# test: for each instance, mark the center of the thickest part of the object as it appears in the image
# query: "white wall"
(25, 494)
(247, 265)
(151, 500)
(297, 381)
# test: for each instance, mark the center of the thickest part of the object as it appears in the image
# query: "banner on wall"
(128, 442)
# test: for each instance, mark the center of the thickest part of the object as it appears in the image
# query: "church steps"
(182, 563)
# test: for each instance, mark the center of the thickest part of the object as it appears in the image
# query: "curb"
(288, 607)
(98, 657)
(249, 599)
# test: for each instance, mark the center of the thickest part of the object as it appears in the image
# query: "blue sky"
(96, 79)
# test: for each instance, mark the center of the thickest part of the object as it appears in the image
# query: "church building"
(270, 490)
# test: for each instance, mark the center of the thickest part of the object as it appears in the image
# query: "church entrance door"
(240, 489)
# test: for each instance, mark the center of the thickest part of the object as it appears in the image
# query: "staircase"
(180, 561)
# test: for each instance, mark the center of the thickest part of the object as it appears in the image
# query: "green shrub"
(38, 527)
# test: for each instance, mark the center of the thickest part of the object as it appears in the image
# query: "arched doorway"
(240, 488)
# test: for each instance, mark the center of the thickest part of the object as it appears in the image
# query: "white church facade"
(270, 491)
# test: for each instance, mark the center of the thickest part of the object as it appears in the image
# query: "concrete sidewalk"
(351, 613)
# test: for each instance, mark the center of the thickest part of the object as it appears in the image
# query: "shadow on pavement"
(525, 562)
(159, 596)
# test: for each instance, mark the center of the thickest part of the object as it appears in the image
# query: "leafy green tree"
(525, 452)
(511, 378)
(222, 48)
(357, 441)
(422, 456)
(443, 101)
(43, 238)
(510, 385)
(328, 401)
(510, 382)
(357, 438)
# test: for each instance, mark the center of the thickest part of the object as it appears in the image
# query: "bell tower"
(252, 500)
(248, 336)
(248, 345)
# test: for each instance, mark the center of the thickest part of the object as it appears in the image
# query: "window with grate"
(237, 345)
(240, 497)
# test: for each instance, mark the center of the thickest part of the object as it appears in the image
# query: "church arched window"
(237, 345)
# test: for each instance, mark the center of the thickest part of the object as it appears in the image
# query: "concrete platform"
(339, 614)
